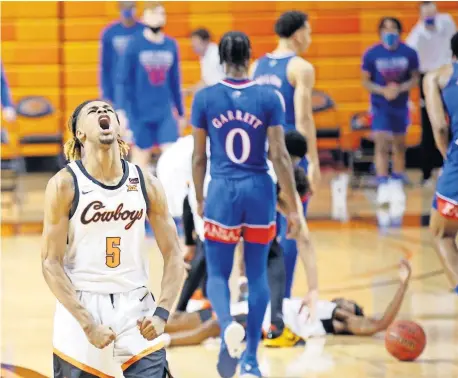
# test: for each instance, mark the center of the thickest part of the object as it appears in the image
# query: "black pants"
(197, 276)
(188, 223)
(277, 283)
(431, 157)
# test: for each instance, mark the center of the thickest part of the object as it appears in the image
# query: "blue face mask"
(390, 39)
(430, 21)
(128, 14)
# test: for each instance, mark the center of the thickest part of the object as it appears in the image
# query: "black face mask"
(156, 29)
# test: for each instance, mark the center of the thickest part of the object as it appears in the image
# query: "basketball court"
(355, 261)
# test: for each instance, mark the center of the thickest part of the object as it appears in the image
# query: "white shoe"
(233, 338)
(397, 201)
(383, 194)
(383, 218)
(339, 187)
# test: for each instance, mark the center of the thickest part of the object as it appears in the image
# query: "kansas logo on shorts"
(34, 107)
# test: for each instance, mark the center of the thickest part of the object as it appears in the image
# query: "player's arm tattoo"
(304, 79)
(362, 326)
(435, 108)
(167, 240)
(199, 161)
(283, 167)
(370, 85)
(58, 199)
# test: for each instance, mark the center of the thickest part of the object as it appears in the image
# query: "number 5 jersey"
(106, 232)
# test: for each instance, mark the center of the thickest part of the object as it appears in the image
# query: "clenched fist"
(151, 327)
(100, 335)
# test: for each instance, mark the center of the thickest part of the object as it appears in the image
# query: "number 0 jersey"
(236, 115)
(106, 232)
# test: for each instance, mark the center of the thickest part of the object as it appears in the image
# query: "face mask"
(128, 14)
(429, 21)
(154, 20)
(390, 39)
(156, 29)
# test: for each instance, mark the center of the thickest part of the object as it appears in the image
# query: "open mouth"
(104, 122)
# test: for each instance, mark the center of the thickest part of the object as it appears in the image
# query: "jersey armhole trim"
(143, 186)
(76, 197)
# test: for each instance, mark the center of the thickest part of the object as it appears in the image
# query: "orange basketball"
(405, 340)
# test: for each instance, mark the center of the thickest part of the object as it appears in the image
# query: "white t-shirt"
(295, 321)
(433, 46)
(210, 66)
(174, 171)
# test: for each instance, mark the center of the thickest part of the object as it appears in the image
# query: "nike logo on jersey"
(94, 213)
(141, 299)
(86, 192)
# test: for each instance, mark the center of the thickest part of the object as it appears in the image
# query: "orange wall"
(51, 48)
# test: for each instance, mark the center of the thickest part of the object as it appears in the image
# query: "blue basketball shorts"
(445, 200)
(241, 207)
(394, 122)
(149, 134)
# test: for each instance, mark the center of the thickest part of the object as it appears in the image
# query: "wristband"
(162, 313)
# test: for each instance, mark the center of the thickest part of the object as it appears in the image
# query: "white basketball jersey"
(106, 232)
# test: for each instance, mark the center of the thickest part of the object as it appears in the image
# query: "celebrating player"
(294, 78)
(150, 86)
(92, 255)
(444, 213)
(239, 117)
(339, 317)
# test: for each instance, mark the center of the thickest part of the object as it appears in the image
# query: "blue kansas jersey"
(236, 115)
(271, 70)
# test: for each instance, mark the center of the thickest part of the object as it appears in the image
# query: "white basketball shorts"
(120, 312)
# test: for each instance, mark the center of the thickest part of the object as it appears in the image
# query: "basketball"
(405, 340)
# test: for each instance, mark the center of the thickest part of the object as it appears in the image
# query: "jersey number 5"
(246, 146)
(113, 252)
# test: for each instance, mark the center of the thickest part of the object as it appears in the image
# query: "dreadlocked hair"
(235, 49)
(72, 148)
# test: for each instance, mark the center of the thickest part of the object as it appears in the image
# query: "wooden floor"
(358, 264)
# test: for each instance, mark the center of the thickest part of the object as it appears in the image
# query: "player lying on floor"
(339, 317)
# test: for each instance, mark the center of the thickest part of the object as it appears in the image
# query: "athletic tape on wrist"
(162, 313)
